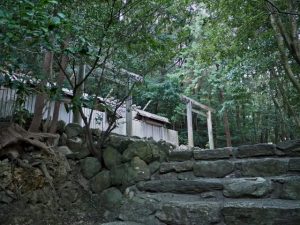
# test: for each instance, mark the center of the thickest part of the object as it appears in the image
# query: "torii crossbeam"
(189, 110)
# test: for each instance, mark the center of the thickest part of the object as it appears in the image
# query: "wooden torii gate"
(190, 103)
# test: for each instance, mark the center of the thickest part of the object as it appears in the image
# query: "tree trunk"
(238, 123)
(226, 122)
(40, 98)
(60, 80)
(78, 94)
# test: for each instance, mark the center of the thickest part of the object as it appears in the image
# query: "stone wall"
(140, 181)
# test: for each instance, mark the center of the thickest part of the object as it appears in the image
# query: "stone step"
(287, 149)
(281, 187)
(262, 167)
(178, 209)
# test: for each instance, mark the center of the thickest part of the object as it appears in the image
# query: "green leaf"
(61, 15)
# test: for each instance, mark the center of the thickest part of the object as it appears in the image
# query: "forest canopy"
(240, 57)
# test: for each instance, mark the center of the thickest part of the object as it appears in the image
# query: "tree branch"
(280, 11)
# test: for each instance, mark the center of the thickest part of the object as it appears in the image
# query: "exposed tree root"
(19, 138)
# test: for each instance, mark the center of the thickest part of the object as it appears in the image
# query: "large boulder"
(73, 130)
(100, 182)
(111, 157)
(129, 173)
(143, 149)
(111, 198)
(90, 166)
(119, 142)
(118, 174)
(138, 170)
(75, 144)
(81, 154)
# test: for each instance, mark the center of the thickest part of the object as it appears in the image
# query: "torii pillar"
(189, 110)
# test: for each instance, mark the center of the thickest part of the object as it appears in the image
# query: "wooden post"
(129, 116)
(190, 123)
(210, 131)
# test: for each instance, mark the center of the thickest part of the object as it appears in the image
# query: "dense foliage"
(242, 58)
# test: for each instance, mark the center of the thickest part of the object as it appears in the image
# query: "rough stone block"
(122, 223)
(263, 167)
(294, 164)
(139, 210)
(180, 186)
(261, 212)
(291, 189)
(246, 187)
(176, 166)
(219, 168)
(212, 154)
(246, 151)
(180, 154)
(200, 213)
(290, 148)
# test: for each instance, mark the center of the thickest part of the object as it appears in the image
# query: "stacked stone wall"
(139, 181)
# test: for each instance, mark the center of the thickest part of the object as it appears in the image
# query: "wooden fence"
(99, 119)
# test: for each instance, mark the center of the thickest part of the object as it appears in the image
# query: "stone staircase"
(248, 185)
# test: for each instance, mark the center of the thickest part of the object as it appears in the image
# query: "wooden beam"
(190, 124)
(195, 103)
(210, 131)
(200, 113)
(148, 103)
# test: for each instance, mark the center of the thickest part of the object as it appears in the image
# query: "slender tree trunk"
(238, 123)
(60, 80)
(79, 92)
(226, 122)
(276, 128)
(40, 98)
